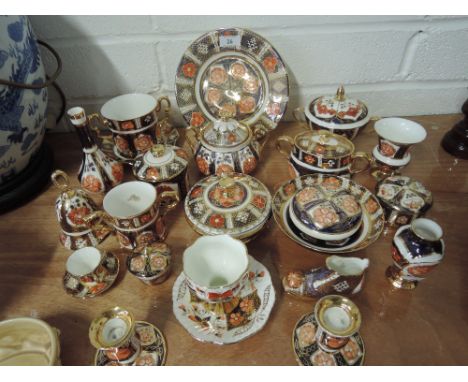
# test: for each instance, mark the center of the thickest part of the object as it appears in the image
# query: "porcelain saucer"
(75, 289)
(231, 322)
(308, 353)
(153, 348)
(372, 218)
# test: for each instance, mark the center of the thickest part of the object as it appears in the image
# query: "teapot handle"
(364, 157)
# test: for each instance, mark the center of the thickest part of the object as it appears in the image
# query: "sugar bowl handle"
(362, 157)
(172, 198)
(284, 139)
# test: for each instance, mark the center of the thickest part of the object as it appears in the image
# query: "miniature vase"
(342, 275)
(417, 249)
(98, 173)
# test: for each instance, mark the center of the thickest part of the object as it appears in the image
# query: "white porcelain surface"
(352, 266)
(129, 199)
(83, 261)
(427, 229)
(400, 130)
(128, 106)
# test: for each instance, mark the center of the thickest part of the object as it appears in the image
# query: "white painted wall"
(398, 65)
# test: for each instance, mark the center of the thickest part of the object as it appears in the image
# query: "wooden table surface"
(426, 326)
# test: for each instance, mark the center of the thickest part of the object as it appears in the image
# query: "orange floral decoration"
(270, 64)
(76, 215)
(196, 192)
(117, 172)
(203, 166)
(121, 143)
(91, 183)
(197, 119)
(249, 165)
(236, 319)
(371, 206)
(289, 189)
(143, 142)
(189, 69)
(224, 169)
(259, 202)
(127, 125)
(309, 159)
(216, 221)
(145, 218)
(152, 173)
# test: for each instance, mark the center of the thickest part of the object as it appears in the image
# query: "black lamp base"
(29, 182)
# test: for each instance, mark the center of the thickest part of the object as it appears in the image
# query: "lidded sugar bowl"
(227, 145)
(165, 166)
(235, 204)
(403, 199)
(338, 114)
(71, 206)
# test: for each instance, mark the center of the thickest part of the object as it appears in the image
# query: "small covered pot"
(150, 263)
(227, 145)
(164, 166)
(235, 204)
(322, 152)
(323, 213)
(403, 199)
(338, 114)
(71, 206)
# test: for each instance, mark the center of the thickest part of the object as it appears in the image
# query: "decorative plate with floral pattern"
(229, 322)
(372, 213)
(240, 208)
(153, 348)
(308, 353)
(232, 69)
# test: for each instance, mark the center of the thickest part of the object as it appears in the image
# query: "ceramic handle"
(101, 217)
(97, 130)
(58, 175)
(261, 136)
(167, 110)
(287, 140)
(171, 196)
(362, 157)
(193, 138)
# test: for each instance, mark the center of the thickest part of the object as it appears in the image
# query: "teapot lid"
(330, 111)
(324, 144)
(405, 194)
(235, 204)
(160, 163)
(151, 260)
(226, 132)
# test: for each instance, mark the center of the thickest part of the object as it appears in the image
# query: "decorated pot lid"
(160, 163)
(324, 143)
(150, 261)
(324, 209)
(403, 193)
(330, 111)
(226, 132)
(234, 204)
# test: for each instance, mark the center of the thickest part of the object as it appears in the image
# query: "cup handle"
(167, 110)
(97, 220)
(105, 138)
(60, 180)
(363, 157)
(284, 139)
(173, 198)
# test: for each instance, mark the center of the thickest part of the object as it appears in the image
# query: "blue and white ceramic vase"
(22, 111)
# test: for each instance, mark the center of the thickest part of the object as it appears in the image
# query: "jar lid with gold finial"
(338, 111)
(231, 203)
(160, 163)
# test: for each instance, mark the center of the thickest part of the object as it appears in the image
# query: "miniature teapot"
(342, 275)
(227, 146)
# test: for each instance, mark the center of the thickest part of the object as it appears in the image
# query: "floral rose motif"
(247, 305)
(323, 109)
(270, 64)
(145, 360)
(197, 119)
(331, 183)
(249, 165)
(213, 96)
(152, 173)
(236, 319)
(224, 169)
(259, 201)
(371, 205)
(189, 69)
(307, 194)
(196, 192)
(309, 159)
(250, 85)
(146, 335)
(247, 104)
(238, 70)
(386, 149)
(402, 220)
(289, 189)
(127, 125)
(306, 335)
(203, 166)
(349, 204)
(216, 221)
(143, 142)
(145, 218)
(145, 238)
(325, 216)
(92, 184)
(117, 172)
(121, 143)
(218, 75)
(323, 359)
(351, 350)
(137, 264)
(228, 107)
(273, 108)
(158, 262)
(294, 279)
(76, 215)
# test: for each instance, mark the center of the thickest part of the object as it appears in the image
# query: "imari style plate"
(232, 69)
(92, 287)
(228, 322)
(153, 348)
(308, 353)
(372, 213)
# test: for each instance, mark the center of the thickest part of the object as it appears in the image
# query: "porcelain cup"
(113, 331)
(338, 318)
(397, 135)
(135, 210)
(27, 341)
(216, 267)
